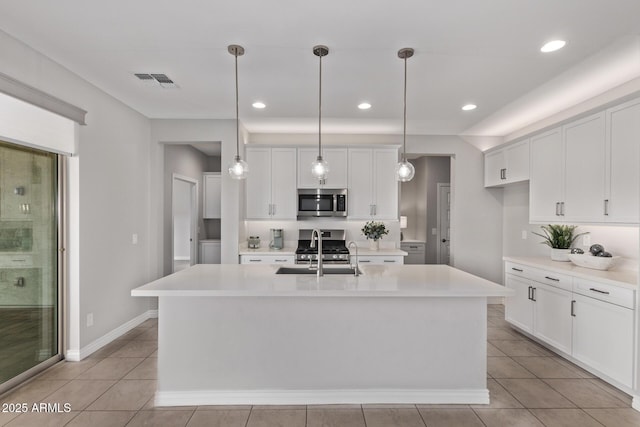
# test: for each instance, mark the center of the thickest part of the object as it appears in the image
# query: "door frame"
(194, 218)
(439, 187)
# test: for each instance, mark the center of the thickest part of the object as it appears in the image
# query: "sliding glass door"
(29, 291)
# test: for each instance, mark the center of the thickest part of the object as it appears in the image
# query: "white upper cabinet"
(507, 165)
(336, 158)
(584, 154)
(211, 193)
(373, 188)
(271, 183)
(587, 170)
(547, 172)
(622, 171)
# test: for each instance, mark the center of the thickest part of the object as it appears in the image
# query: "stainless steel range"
(334, 248)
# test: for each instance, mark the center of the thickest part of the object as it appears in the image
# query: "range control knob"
(335, 257)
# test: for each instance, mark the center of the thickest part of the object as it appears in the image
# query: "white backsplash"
(291, 227)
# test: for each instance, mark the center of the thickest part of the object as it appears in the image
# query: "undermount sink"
(326, 270)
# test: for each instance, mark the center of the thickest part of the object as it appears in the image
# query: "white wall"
(619, 240)
(108, 200)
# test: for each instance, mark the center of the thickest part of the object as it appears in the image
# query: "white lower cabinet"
(552, 316)
(588, 321)
(379, 259)
(519, 308)
(603, 337)
(210, 253)
(267, 259)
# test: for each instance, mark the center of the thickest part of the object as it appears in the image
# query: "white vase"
(374, 245)
(560, 254)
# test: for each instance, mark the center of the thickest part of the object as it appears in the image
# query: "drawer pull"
(529, 293)
(281, 260)
(599, 291)
(255, 260)
(573, 308)
(364, 260)
(389, 260)
(413, 247)
(552, 278)
(517, 269)
(19, 260)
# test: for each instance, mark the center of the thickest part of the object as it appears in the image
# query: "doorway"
(419, 202)
(184, 214)
(30, 293)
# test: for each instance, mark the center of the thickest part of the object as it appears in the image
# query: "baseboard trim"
(74, 355)
(320, 397)
(635, 403)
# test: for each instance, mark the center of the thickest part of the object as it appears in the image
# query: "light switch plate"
(89, 319)
(434, 231)
(134, 238)
(524, 234)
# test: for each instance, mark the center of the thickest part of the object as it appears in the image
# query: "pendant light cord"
(320, 111)
(237, 114)
(404, 131)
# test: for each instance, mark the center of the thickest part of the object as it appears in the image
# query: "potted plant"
(559, 238)
(374, 231)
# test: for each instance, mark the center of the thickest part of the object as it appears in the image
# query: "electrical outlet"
(586, 240)
(434, 231)
(524, 234)
(134, 238)
(89, 319)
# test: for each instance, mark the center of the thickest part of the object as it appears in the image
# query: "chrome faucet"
(355, 269)
(318, 234)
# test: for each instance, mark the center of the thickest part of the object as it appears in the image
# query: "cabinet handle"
(269, 209)
(529, 293)
(375, 209)
(599, 291)
(561, 208)
(573, 308)
(552, 278)
(255, 260)
(557, 208)
(606, 207)
(413, 247)
(364, 260)
(517, 269)
(273, 211)
(389, 260)
(533, 294)
(281, 260)
(371, 210)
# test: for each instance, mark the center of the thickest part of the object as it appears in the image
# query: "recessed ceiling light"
(469, 107)
(364, 106)
(259, 105)
(553, 46)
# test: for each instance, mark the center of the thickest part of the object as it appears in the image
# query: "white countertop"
(625, 278)
(234, 280)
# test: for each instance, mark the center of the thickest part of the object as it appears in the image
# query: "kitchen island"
(241, 334)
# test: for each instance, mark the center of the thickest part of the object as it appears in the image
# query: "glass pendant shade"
(405, 171)
(320, 168)
(238, 169)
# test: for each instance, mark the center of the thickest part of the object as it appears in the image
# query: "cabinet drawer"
(412, 248)
(558, 280)
(379, 259)
(608, 293)
(267, 259)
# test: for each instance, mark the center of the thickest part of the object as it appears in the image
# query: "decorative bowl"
(594, 262)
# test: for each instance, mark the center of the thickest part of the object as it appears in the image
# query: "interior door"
(29, 291)
(444, 223)
(184, 207)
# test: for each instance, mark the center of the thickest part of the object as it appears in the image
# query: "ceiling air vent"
(162, 79)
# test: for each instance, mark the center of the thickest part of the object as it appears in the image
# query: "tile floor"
(529, 387)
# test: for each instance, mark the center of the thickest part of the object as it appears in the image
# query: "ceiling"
(483, 52)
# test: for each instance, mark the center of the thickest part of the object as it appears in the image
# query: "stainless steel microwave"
(322, 202)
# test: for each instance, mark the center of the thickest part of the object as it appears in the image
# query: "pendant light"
(239, 168)
(320, 168)
(404, 169)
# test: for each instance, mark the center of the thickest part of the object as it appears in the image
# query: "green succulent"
(374, 230)
(558, 236)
